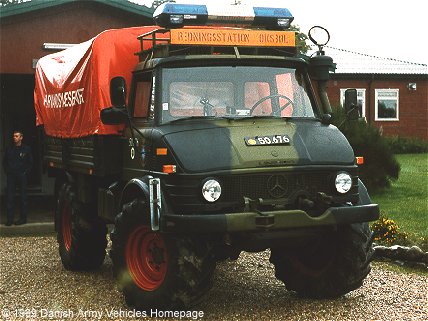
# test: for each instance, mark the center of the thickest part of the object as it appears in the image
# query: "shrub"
(380, 165)
(422, 242)
(387, 231)
(407, 145)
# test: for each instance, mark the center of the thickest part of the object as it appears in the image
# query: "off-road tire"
(175, 277)
(81, 238)
(329, 267)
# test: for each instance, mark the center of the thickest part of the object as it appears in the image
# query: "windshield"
(234, 92)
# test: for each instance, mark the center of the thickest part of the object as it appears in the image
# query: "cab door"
(137, 143)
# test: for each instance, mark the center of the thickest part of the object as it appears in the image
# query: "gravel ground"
(35, 286)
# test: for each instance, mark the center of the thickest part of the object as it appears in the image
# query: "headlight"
(211, 190)
(343, 182)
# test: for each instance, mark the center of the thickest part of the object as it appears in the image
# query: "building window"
(361, 99)
(386, 104)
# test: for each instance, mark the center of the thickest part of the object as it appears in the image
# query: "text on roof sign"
(233, 37)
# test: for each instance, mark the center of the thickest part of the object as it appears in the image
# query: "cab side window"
(142, 98)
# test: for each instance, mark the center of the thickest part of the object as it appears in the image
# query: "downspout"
(369, 109)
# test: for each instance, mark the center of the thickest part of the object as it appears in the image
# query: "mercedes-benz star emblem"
(277, 186)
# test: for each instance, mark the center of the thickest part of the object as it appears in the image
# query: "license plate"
(267, 140)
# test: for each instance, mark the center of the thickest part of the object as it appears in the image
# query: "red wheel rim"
(146, 258)
(66, 226)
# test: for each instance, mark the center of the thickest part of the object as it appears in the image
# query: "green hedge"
(407, 145)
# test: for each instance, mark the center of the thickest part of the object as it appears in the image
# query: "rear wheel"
(157, 270)
(328, 267)
(81, 238)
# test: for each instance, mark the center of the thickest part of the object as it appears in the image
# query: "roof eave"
(35, 5)
(377, 76)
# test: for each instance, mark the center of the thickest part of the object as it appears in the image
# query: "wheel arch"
(136, 187)
(139, 188)
(364, 197)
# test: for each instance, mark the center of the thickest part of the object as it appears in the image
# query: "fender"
(112, 199)
(134, 188)
(149, 188)
(363, 194)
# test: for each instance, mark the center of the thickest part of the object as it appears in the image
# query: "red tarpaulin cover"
(73, 86)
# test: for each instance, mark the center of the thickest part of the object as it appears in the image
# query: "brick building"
(33, 29)
(392, 94)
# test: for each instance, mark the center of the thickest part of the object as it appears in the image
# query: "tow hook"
(305, 203)
(324, 198)
(263, 221)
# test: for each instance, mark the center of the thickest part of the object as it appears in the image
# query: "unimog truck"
(193, 140)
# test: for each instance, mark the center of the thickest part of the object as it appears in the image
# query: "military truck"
(224, 144)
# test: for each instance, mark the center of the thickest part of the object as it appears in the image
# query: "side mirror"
(117, 114)
(118, 92)
(351, 106)
(114, 116)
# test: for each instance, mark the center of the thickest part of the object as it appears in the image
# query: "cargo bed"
(91, 155)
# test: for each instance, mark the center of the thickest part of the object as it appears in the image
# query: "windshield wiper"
(228, 117)
(192, 117)
(261, 117)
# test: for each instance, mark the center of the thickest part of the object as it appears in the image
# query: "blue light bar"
(272, 12)
(174, 15)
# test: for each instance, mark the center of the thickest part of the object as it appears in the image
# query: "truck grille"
(185, 192)
(274, 185)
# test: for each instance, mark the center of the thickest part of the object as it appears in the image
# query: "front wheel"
(157, 270)
(329, 267)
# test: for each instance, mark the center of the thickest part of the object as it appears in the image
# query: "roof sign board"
(233, 37)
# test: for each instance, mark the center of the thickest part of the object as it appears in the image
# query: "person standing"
(17, 163)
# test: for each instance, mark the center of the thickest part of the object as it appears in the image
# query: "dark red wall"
(413, 105)
(22, 36)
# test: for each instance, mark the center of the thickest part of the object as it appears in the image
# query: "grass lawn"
(406, 202)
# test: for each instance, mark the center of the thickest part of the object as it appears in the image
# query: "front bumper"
(253, 221)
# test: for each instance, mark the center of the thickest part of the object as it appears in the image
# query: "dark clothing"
(14, 180)
(17, 163)
(18, 160)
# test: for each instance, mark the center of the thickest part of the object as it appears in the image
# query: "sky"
(382, 28)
